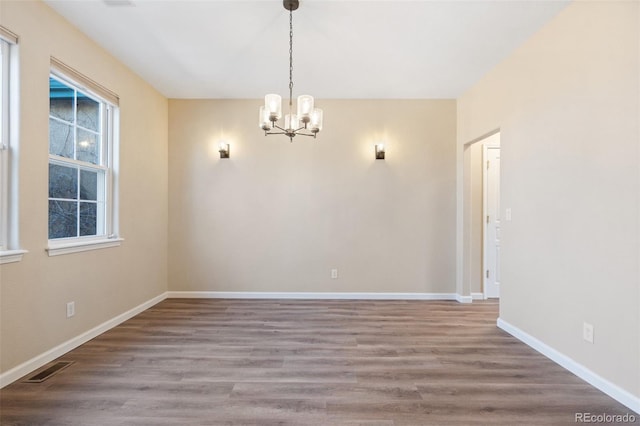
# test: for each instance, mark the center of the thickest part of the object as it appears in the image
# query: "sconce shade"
(224, 150)
(379, 151)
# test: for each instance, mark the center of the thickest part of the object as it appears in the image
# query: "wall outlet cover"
(587, 332)
(71, 309)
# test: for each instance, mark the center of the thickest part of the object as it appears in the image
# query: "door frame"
(486, 145)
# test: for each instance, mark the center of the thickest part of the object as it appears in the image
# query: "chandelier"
(307, 121)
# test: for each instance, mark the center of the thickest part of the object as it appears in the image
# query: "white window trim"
(9, 251)
(8, 35)
(82, 82)
(65, 246)
(5, 147)
(61, 246)
(10, 256)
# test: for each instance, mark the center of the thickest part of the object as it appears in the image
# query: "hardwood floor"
(301, 362)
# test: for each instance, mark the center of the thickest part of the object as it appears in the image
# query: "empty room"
(319, 212)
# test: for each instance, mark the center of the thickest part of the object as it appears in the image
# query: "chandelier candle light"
(308, 120)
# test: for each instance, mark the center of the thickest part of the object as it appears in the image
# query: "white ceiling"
(342, 48)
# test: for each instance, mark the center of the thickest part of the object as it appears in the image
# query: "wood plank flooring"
(301, 362)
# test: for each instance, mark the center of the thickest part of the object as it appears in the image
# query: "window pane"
(63, 182)
(88, 218)
(63, 219)
(88, 148)
(88, 113)
(60, 139)
(60, 100)
(88, 185)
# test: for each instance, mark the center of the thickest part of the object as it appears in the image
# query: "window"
(4, 142)
(82, 138)
(9, 248)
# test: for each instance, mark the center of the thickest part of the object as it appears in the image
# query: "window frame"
(9, 242)
(107, 165)
(4, 144)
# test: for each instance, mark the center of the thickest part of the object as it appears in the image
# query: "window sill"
(10, 256)
(57, 248)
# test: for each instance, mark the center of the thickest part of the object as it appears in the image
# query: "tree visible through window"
(79, 169)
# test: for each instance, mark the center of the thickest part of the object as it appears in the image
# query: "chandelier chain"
(290, 60)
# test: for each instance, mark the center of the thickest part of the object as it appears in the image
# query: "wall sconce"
(379, 151)
(224, 150)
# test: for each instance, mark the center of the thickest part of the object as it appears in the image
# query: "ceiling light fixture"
(308, 120)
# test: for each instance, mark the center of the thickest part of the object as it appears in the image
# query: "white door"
(492, 222)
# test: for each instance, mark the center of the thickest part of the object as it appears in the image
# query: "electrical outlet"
(334, 273)
(71, 309)
(587, 332)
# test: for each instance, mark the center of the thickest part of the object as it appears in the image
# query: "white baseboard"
(477, 296)
(622, 396)
(308, 295)
(33, 364)
(464, 299)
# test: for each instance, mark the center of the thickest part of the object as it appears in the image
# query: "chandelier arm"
(291, 134)
(280, 128)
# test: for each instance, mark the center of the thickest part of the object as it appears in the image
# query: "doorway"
(481, 226)
(491, 215)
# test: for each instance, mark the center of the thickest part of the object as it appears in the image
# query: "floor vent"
(48, 372)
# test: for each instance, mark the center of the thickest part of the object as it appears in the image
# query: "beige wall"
(277, 216)
(567, 106)
(103, 283)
